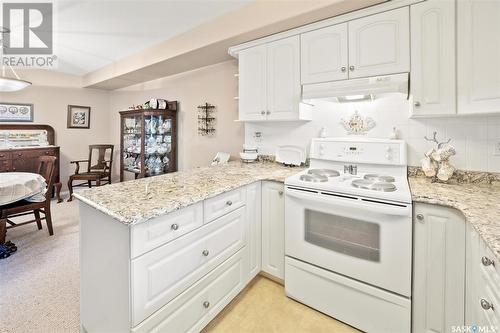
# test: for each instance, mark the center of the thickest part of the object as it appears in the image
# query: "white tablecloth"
(15, 186)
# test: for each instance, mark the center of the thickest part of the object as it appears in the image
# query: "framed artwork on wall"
(16, 112)
(78, 116)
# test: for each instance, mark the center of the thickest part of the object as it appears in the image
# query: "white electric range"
(348, 233)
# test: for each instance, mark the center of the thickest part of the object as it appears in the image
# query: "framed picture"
(21, 112)
(78, 116)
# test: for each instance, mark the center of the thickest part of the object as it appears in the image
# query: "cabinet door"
(433, 58)
(380, 44)
(439, 268)
(283, 79)
(252, 83)
(478, 54)
(254, 224)
(323, 54)
(273, 229)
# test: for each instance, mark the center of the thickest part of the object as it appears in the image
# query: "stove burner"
(374, 186)
(324, 172)
(313, 178)
(379, 178)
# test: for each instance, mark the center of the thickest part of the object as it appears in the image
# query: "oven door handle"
(380, 208)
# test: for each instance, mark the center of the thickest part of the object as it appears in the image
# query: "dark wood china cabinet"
(148, 142)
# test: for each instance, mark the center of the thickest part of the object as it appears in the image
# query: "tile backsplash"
(474, 138)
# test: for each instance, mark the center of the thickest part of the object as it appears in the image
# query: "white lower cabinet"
(161, 275)
(200, 303)
(176, 272)
(273, 229)
(438, 268)
(254, 224)
(483, 284)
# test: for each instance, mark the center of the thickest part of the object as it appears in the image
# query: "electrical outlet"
(496, 151)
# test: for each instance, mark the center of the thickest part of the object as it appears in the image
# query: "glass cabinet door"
(157, 144)
(132, 144)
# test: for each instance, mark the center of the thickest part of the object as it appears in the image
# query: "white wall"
(214, 84)
(473, 137)
(51, 107)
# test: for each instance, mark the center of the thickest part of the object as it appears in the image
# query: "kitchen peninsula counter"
(139, 200)
(480, 204)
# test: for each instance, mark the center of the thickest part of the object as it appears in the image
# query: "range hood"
(357, 89)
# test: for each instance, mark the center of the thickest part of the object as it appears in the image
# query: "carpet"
(39, 284)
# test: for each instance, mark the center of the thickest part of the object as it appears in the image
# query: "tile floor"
(263, 307)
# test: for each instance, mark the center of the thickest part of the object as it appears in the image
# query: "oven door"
(364, 239)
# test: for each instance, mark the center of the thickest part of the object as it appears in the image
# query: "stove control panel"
(365, 150)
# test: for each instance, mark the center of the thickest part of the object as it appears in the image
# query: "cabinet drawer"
(33, 153)
(163, 229)
(224, 203)
(160, 275)
(4, 155)
(194, 308)
(5, 165)
(489, 288)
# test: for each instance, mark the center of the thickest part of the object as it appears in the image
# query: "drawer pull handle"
(229, 202)
(205, 253)
(206, 304)
(487, 261)
(174, 226)
(486, 305)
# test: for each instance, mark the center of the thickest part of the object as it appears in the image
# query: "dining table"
(17, 186)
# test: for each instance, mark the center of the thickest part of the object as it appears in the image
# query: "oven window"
(348, 236)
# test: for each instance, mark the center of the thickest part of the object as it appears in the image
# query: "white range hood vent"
(357, 89)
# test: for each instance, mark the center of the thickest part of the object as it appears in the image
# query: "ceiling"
(90, 34)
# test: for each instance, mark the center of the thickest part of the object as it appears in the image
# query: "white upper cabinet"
(433, 77)
(283, 79)
(380, 44)
(478, 54)
(324, 54)
(252, 83)
(269, 81)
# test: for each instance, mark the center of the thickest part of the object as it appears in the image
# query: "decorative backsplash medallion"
(357, 124)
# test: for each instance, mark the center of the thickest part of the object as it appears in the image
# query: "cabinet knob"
(229, 202)
(417, 104)
(351, 68)
(268, 112)
(280, 192)
(206, 304)
(486, 305)
(487, 261)
(174, 226)
(205, 253)
(262, 112)
(420, 217)
(343, 68)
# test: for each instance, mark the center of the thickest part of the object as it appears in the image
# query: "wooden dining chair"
(46, 168)
(99, 172)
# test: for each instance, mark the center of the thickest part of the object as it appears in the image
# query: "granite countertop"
(480, 204)
(137, 201)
